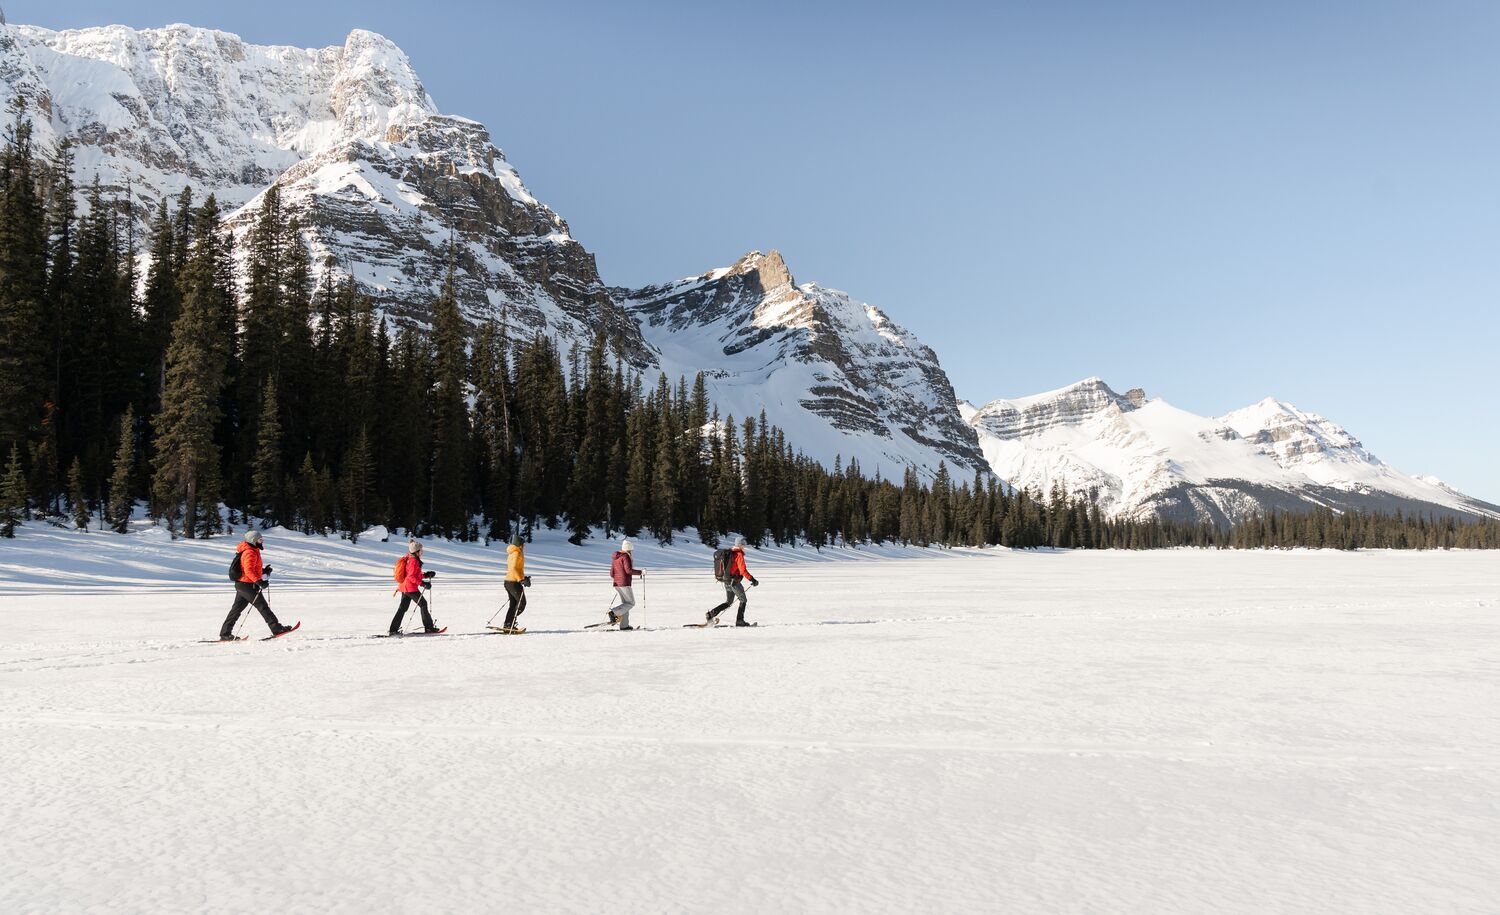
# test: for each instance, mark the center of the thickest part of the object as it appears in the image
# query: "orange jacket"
(515, 563)
(411, 582)
(250, 565)
(737, 565)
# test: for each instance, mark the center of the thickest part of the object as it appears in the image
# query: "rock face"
(379, 177)
(1144, 457)
(838, 375)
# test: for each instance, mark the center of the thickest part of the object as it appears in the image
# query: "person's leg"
(728, 599)
(241, 600)
(265, 611)
(400, 616)
(739, 592)
(514, 592)
(627, 602)
(426, 613)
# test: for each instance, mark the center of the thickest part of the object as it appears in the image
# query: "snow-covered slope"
(379, 176)
(1143, 457)
(838, 375)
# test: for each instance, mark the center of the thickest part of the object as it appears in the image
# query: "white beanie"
(626, 546)
(414, 548)
(739, 541)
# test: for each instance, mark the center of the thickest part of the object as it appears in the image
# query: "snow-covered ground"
(1090, 732)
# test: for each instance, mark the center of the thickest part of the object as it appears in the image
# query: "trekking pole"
(642, 623)
(503, 605)
(431, 603)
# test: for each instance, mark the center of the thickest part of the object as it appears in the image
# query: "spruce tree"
(13, 509)
(78, 503)
(265, 475)
(24, 321)
(187, 476)
(450, 416)
(358, 484)
(121, 494)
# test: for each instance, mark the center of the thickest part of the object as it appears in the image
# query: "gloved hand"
(755, 583)
(428, 574)
(526, 582)
(262, 585)
(266, 570)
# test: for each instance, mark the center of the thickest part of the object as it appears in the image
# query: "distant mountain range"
(382, 180)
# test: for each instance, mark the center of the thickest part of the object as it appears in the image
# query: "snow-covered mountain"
(379, 177)
(1144, 457)
(381, 180)
(838, 375)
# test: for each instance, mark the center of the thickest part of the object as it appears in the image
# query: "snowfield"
(907, 731)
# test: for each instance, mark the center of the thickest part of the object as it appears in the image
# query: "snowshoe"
(283, 630)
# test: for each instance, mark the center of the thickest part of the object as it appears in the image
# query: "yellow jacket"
(515, 564)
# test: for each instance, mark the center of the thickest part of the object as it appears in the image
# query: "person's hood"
(736, 549)
(619, 553)
(512, 548)
(246, 545)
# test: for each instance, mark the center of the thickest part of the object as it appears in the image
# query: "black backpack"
(236, 571)
(721, 564)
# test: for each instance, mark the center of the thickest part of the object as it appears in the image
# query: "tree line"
(225, 377)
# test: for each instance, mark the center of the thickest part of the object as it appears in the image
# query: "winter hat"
(739, 542)
(253, 536)
(414, 548)
(515, 539)
(626, 546)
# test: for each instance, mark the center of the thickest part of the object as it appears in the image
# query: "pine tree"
(13, 508)
(24, 321)
(187, 474)
(121, 495)
(77, 501)
(450, 416)
(358, 484)
(265, 477)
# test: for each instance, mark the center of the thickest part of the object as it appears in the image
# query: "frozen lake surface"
(1085, 732)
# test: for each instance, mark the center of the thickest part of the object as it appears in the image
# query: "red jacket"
(737, 564)
(411, 583)
(250, 565)
(622, 570)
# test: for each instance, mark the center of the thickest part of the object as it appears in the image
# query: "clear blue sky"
(1214, 201)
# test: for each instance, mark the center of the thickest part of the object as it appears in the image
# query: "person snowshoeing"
(622, 572)
(516, 581)
(735, 574)
(249, 588)
(410, 580)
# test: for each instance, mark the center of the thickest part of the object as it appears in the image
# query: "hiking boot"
(625, 627)
(280, 628)
(614, 617)
(711, 618)
(741, 622)
(431, 629)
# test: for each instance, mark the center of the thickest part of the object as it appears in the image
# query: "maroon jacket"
(621, 570)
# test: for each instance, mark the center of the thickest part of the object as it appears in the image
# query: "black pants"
(734, 589)
(517, 594)
(406, 601)
(246, 594)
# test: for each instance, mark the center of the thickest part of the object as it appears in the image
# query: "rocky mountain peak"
(1067, 406)
(769, 270)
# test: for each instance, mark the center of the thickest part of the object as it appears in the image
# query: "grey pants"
(627, 603)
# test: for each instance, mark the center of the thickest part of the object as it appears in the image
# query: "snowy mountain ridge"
(838, 375)
(1143, 457)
